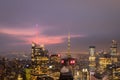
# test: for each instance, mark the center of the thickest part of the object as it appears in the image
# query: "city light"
(72, 62)
(62, 61)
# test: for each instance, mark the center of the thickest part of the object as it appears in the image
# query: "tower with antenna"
(69, 59)
(69, 45)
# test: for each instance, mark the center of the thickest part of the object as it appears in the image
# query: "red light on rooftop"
(62, 61)
(72, 62)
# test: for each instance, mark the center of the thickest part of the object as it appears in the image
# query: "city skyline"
(48, 22)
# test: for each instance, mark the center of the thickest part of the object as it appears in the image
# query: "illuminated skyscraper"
(113, 51)
(92, 58)
(39, 59)
(69, 54)
(38, 53)
(113, 48)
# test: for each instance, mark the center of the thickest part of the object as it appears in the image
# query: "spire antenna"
(69, 45)
(37, 34)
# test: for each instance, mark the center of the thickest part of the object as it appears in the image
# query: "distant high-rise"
(92, 50)
(113, 51)
(38, 54)
(69, 45)
(113, 48)
(39, 59)
(92, 58)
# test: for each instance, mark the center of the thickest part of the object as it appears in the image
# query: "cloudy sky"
(90, 22)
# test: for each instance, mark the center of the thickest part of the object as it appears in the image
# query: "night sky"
(90, 22)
